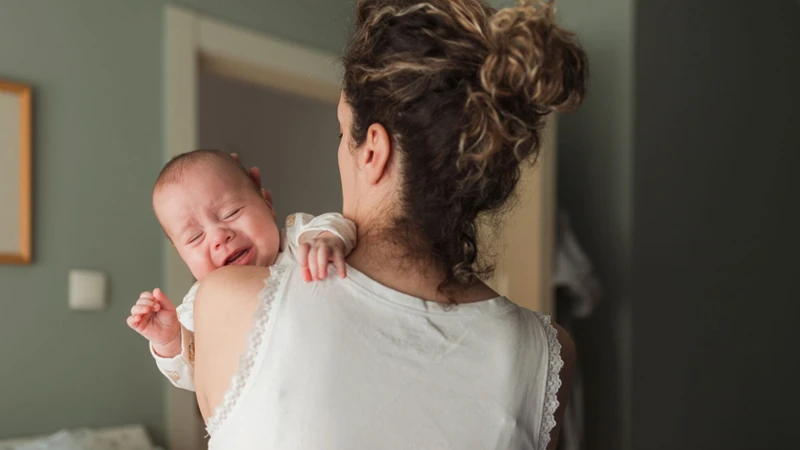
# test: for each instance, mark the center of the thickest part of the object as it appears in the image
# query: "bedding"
(131, 437)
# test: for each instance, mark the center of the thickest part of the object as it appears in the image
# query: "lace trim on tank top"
(555, 363)
(265, 299)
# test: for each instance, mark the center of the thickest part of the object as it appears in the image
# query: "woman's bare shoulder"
(241, 282)
(566, 375)
(225, 305)
(227, 299)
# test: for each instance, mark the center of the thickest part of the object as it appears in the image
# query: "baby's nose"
(223, 237)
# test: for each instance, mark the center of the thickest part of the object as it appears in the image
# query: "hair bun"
(532, 56)
(533, 67)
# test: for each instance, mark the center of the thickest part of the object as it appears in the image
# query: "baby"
(215, 216)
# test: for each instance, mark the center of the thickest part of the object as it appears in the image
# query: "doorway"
(292, 139)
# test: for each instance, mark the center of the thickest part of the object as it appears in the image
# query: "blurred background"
(678, 176)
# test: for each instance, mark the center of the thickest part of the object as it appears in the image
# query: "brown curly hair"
(462, 89)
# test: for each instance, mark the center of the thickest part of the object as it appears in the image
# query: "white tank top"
(351, 364)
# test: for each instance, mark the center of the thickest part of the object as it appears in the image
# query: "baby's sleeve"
(180, 368)
(301, 223)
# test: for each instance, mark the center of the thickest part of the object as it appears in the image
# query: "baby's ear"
(268, 200)
(267, 196)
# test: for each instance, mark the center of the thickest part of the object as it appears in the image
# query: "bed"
(128, 437)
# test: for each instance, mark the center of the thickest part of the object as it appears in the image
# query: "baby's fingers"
(312, 264)
(302, 258)
(339, 263)
(141, 309)
(133, 321)
(162, 301)
(149, 303)
(323, 256)
(137, 323)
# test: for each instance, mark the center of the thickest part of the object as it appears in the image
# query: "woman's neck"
(390, 265)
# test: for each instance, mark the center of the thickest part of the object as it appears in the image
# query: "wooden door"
(525, 244)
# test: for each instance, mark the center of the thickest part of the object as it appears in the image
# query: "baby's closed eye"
(231, 214)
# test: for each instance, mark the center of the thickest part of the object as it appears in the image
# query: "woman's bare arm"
(225, 307)
(567, 374)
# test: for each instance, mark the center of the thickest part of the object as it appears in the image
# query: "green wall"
(96, 70)
(318, 23)
(95, 66)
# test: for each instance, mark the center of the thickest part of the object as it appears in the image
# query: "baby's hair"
(176, 168)
(463, 90)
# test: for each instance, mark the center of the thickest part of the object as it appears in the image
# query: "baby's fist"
(154, 317)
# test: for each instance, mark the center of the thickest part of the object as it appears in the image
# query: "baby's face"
(215, 218)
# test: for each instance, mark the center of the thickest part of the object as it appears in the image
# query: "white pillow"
(121, 438)
(62, 440)
(132, 437)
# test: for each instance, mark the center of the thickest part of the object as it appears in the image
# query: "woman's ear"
(376, 153)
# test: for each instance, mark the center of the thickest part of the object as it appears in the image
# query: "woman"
(443, 100)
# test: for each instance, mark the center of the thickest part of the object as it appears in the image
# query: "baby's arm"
(179, 369)
(169, 331)
(316, 241)
(311, 227)
(302, 227)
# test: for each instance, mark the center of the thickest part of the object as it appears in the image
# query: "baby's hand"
(315, 253)
(154, 317)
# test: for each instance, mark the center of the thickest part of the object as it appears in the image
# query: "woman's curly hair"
(463, 90)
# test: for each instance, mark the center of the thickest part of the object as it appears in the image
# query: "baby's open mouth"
(237, 256)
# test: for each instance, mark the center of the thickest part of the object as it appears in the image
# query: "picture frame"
(15, 173)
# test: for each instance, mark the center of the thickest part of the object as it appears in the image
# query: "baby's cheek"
(199, 266)
(269, 233)
(269, 246)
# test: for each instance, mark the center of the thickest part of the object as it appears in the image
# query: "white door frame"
(194, 43)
